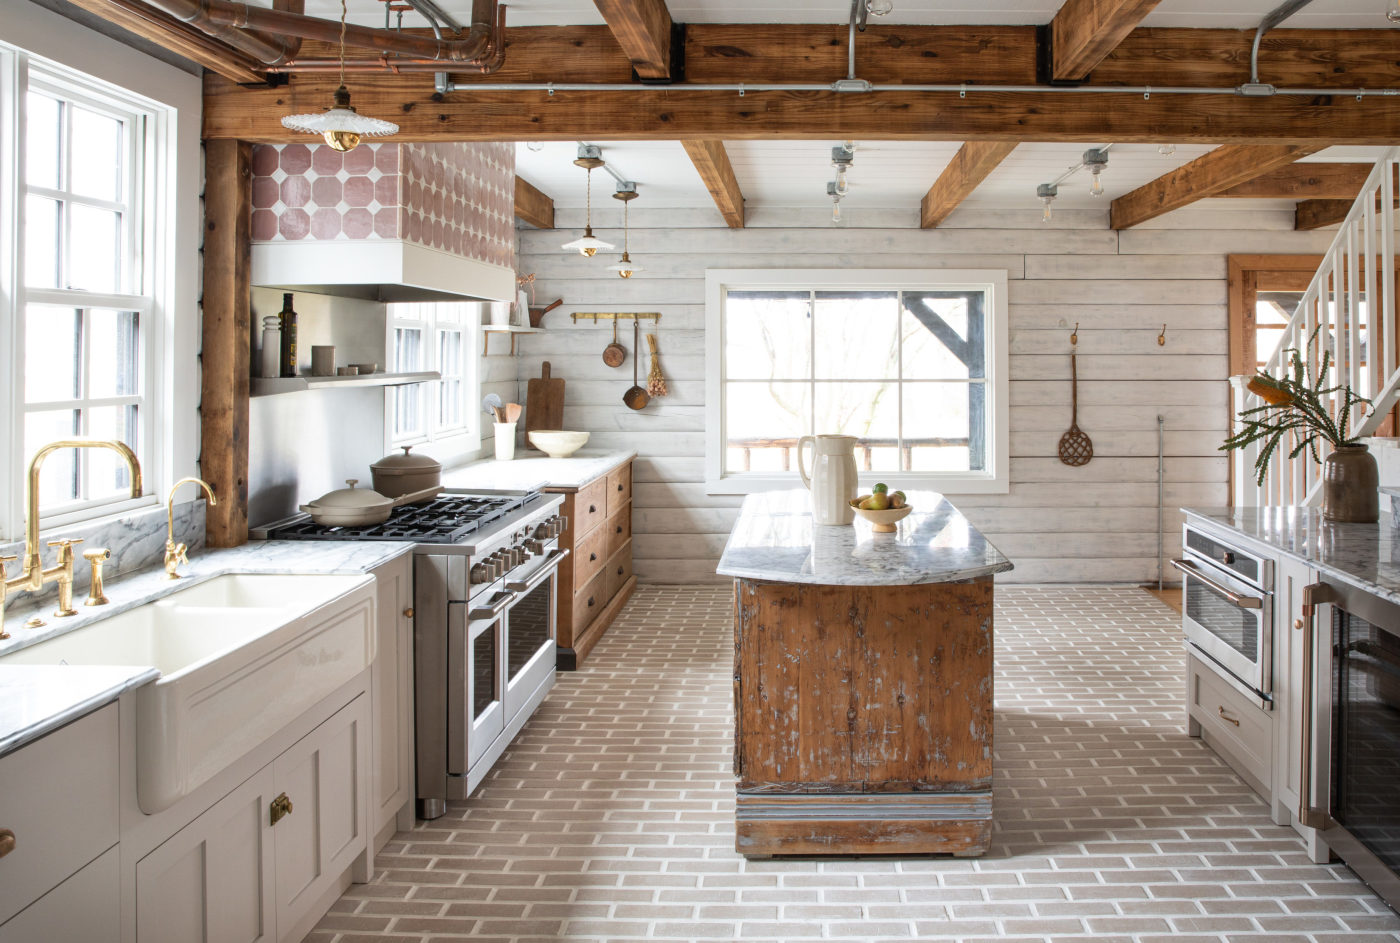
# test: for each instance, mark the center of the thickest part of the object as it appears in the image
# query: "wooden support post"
(226, 347)
(532, 205)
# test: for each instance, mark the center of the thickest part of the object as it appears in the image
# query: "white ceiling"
(886, 174)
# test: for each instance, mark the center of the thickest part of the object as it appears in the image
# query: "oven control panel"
(517, 548)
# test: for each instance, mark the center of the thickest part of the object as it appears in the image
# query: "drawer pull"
(1297, 623)
(592, 557)
(619, 571)
(1226, 717)
(281, 808)
(408, 613)
(590, 602)
(592, 509)
(619, 528)
(7, 842)
(619, 487)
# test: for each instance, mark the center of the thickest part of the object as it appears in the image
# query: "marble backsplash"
(136, 540)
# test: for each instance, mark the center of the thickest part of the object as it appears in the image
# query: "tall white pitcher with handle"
(833, 480)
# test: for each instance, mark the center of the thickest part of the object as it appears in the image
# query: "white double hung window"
(910, 363)
(434, 336)
(79, 300)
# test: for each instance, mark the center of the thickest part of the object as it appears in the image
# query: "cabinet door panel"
(86, 908)
(392, 688)
(211, 882)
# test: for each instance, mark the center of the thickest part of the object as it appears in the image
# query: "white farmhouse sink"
(239, 656)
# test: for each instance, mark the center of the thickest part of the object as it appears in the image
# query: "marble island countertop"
(531, 470)
(776, 539)
(1366, 556)
(36, 699)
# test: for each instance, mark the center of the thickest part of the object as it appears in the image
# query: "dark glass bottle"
(289, 336)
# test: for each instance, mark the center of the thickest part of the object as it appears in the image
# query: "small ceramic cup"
(366, 368)
(323, 361)
(348, 371)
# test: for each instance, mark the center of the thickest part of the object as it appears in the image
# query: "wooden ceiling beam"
(180, 38)
(1207, 175)
(1305, 181)
(968, 168)
(643, 30)
(533, 205)
(712, 161)
(1084, 32)
(1314, 214)
(659, 113)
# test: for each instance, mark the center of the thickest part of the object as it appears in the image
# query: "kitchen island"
(862, 681)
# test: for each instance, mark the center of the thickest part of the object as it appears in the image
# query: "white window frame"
(995, 479)
(146, 288)
(450, 442)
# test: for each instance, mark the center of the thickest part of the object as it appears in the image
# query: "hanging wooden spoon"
(614, 353)
(637, 396)
(1075, 446)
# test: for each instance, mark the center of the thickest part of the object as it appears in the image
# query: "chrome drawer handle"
(1243, 602)
(1226, 717)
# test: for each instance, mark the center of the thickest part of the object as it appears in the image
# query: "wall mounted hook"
(1074, 335)
(1162, 337)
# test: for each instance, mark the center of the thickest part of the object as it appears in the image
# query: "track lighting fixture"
(590, 157)
(1047, 193)
(1095, 160)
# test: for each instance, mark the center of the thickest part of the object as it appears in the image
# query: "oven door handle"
(494, 610)
(548, 567)
(1243, 602)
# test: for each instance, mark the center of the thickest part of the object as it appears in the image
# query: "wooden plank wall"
(1059, 524)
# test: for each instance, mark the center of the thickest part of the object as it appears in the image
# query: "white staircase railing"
(1350, 310)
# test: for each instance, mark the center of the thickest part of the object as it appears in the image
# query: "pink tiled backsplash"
(458, 197)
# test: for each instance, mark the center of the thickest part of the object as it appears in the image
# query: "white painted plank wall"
(1094, 523)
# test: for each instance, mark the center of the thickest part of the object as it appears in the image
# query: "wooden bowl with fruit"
(883, 508)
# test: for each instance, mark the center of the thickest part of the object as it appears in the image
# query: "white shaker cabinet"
(233, 875)
(83, 909)
(392, 691)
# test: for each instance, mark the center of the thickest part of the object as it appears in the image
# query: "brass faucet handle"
(65, 545)
(95, 558)
(4, 560)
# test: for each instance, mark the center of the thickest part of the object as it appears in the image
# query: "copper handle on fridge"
(1313, 818)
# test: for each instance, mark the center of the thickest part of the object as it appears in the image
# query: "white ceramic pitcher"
(833, 480)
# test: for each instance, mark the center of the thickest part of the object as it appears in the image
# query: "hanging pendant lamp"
(624, 267)
(340, 125)
(589, 157)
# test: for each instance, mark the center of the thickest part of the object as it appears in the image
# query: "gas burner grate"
(446, 519)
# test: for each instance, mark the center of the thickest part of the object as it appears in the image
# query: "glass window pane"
(407, 353)
(41, 242)
(58, 482)
(94, 248)
(767, 335)
(944, 335)
(856, 336)
(939, 428)
(113, 353)
(52, 363)
(408, 411)
(762, 424)
(41, 140)
(96, 155)
(868, 411)
(107, 475)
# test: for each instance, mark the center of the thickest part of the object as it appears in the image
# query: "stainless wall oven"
(1351, 730)
(1227, 612)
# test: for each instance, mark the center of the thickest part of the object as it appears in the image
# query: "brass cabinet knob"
(7, 842)
(1297, 623)
(408, 613)
(281, 808)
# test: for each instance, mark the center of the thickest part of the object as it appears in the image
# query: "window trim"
(450, 443)
(995, 480)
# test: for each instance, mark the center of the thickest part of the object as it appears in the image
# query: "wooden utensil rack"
(615, 316)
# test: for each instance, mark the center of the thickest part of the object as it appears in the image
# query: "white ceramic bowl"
(558, 443)
(884, 521)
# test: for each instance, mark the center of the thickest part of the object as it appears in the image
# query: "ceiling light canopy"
(590, 156)
(340, 125)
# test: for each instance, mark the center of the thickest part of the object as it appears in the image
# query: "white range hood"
(379, 270)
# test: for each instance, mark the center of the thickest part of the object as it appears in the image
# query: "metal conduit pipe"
(743, 88)
(1273, 18)
(479, 43)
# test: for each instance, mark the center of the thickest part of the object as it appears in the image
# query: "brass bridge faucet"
(175, 553)
(32, 575)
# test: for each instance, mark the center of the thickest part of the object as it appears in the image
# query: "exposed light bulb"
(1096, 188)
(1046, 192)
(843, 184)
(1167, 150)
(1045, 213)
(535, 146)
(879, 7)
(1392, 11)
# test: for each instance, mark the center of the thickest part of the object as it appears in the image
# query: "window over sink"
(912, 363)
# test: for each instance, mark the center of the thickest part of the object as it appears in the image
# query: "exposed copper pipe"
(266, 49)
(476, 45)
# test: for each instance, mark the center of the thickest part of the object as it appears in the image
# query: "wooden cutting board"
(544, 401)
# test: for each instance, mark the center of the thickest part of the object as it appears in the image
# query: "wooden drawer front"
(618, 570)
(1217, 707)
(59, 796)
(619, 528)
(590, 508)
(589, 601)
(589, 554)
(619, 488)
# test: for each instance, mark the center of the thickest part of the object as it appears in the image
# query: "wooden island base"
(863, 718)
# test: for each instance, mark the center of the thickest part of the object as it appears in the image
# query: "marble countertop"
(38, 699)
(775, 539)
(535, 470)
(1366, 556)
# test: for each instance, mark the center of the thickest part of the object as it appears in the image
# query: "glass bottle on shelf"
(288, 317)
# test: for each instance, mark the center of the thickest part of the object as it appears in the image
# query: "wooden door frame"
(1246, 274)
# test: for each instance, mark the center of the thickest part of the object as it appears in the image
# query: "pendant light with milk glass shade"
(624, 267)
(340, 125)
(590, 156)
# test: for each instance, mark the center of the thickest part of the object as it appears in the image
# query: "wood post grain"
(533, 205)
(226, 346)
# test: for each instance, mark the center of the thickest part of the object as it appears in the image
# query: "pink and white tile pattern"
(455, 197)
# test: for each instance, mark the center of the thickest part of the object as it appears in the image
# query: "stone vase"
(1350, 486)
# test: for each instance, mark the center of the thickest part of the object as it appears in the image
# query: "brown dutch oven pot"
(397, 475)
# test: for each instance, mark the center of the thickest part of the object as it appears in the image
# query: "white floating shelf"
(271, 386)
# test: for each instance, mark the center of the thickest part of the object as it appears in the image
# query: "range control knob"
(482, 573)
(534, 546)
(517, 556)
(541, 531)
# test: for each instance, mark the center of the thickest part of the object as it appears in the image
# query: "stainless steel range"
(485, 575)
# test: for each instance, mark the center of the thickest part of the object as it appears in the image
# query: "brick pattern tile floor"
(611, 817)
